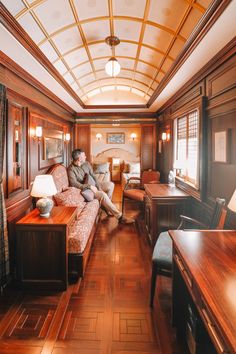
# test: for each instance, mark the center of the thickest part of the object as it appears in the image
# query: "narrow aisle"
(110, 313)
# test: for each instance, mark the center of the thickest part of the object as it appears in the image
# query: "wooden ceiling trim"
(212, 14)
(118, 115)
(75, 14)
(197, 6)
(125, 69)
(51, 42)
(20, 34)
(225, 54)
(122, 41)
(187, 12)
(108, 78)
(119, 57)
(28, 8)
(19, 71)
(146, 11)
(114, 85)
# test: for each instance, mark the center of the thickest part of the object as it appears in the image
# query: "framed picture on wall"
(221, 141)
(115, 138)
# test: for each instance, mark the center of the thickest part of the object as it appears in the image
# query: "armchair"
(162, 253)
(137, 192)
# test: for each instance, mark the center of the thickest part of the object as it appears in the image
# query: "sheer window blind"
(187, 147)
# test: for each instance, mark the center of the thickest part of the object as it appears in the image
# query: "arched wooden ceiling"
(71, 33)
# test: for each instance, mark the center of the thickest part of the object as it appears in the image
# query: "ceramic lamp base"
(44, 205)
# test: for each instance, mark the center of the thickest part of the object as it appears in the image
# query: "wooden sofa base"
(77, 261)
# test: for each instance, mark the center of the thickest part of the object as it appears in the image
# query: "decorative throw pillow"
(101, 168)
(134, 167)
(88, 195)
(70, 197)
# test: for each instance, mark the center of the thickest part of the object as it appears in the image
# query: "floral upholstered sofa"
(82, 232)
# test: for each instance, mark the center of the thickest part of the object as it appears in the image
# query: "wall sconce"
(67, 137)
(38, 133)
(133, 136)
(165, 136)
(99, 136)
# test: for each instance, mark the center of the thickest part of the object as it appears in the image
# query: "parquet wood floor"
(105, 313)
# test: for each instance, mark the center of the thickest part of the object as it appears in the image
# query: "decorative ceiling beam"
(10, 23)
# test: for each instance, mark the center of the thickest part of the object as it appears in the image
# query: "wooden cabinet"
(42, 259)
(163, 206)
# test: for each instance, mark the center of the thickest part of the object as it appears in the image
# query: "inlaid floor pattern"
(106, 313)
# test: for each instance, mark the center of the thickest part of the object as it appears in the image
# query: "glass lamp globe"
(112, 67)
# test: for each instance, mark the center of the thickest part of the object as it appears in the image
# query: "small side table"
(42, 255)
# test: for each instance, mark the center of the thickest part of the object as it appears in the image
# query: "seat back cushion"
(60, 177)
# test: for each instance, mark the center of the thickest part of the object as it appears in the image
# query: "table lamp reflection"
(44, 187)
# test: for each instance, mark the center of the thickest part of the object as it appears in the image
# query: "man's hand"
(94, 189)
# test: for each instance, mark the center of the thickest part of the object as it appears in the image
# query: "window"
(186, 153)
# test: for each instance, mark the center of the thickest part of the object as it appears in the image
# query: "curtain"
(4, 254)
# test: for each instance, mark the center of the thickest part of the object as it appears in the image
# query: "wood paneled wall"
(28, 107)
(213, 91)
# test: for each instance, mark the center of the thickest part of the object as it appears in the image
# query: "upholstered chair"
(135, 191)
(162, 253)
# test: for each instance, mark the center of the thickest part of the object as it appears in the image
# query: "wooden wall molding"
(20, 34)
(193, 94)
(209, 18)
(222, 56)
(16, 69)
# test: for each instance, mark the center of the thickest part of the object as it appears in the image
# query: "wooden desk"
(163, 206)
(204, 262)
(42, 257)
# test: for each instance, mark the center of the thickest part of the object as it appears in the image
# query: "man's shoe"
(124, 220)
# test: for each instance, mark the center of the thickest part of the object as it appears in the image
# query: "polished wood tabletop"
(164, 191)
(60, 215)
(210, 258)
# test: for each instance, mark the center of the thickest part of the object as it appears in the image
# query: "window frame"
(194, 183)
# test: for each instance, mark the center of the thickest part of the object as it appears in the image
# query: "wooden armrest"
(190, 220)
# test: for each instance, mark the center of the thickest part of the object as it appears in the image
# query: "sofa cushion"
(70, 197)
(131, 167)
(134, 167)
(60, 177)
(101, 167)
(81, 229)
(88, 195)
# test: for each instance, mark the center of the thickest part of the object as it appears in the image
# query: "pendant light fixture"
(112, 67)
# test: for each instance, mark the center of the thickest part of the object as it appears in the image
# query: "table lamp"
(232, 202)
(44, 187)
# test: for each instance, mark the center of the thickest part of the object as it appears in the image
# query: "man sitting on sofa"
(80, 173)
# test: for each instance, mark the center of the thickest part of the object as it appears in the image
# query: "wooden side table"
(163, 206)
(42, 256)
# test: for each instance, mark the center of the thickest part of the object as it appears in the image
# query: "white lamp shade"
(112, 67)
(43, 186)
(232, 202)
